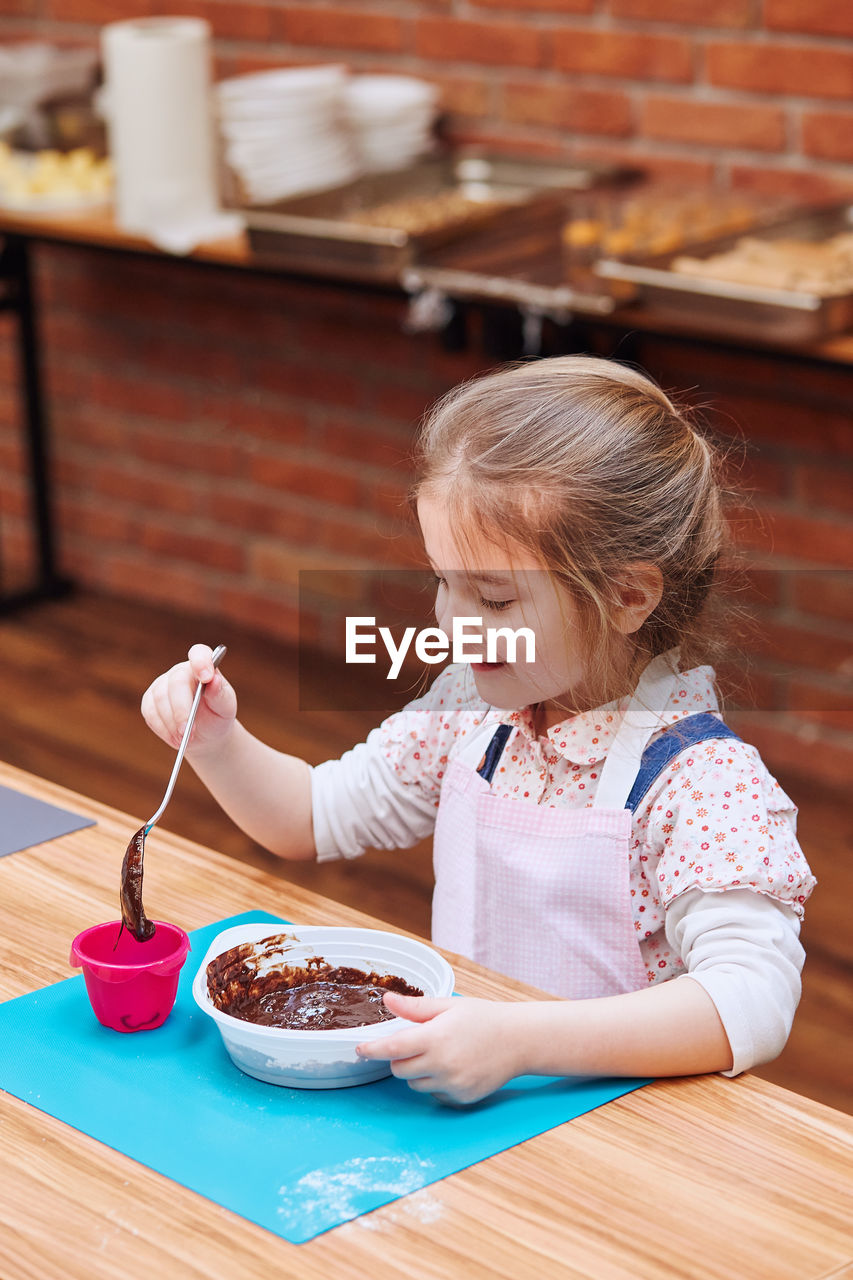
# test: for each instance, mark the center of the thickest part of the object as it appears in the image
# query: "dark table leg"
(16, 278)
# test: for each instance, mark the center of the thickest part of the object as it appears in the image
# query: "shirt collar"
(587, 738)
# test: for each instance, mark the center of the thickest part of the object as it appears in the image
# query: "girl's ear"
(638, 590)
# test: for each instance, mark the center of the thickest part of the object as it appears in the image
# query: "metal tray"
(558, 302)
(750, 311)
(317, 232)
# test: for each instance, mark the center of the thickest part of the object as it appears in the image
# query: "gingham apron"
(539, 893)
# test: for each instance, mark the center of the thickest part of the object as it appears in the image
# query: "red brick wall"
(215, 432)
(747, 92)
(788, 427)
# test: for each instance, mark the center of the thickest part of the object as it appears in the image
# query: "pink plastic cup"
(132, 986)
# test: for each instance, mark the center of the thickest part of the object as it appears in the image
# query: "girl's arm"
(462, 1050)
(732, 1010)
(381, 794)
(669, 1029)
(267, 793)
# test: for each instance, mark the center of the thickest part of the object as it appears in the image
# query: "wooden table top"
(98, 228)
(703, 1177)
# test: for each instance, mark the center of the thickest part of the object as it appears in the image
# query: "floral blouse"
(715, 819)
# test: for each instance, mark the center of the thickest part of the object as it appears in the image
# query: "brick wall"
(754, 93)
(214, 433)
(788, 429)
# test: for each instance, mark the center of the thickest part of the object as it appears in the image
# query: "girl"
(599, 832)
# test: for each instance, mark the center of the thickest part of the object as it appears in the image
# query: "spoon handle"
(218, 655)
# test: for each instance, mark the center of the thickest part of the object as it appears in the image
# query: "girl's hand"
(166, 703)
(460, 1050)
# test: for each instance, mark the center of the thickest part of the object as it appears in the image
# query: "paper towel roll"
(160, 120)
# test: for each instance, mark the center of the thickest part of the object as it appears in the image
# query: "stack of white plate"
(284, 131)
(391, 118)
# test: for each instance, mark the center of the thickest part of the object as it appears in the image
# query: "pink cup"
(132, 986)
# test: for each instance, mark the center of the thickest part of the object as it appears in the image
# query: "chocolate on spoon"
(133, 917)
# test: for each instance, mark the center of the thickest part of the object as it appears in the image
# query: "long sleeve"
(743, 948)
(359, 802)
(384, 793)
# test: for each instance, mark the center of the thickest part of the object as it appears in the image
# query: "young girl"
(599, 832)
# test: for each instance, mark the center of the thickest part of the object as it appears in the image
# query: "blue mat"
(296, 1162)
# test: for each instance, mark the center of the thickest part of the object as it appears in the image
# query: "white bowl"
(384, 95)
(319, 1059)
(282, 81)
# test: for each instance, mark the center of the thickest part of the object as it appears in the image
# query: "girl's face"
(507, 587)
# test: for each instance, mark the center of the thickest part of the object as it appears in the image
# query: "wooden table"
(706, 1177)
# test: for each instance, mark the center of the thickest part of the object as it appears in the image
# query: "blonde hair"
(590, 467)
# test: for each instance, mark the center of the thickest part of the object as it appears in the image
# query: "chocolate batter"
(133, 915)
(311, 997)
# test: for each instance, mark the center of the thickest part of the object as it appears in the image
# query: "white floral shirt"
(715, 819)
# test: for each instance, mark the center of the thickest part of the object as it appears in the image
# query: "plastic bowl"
(319, 1059)
(131, 985)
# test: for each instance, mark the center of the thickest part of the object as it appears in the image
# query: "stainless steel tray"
(517, 283)
(750, 311)
(319, 232)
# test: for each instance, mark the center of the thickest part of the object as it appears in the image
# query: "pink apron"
(542, 894)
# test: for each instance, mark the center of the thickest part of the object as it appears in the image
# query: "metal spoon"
(133, 915)
(218, 654)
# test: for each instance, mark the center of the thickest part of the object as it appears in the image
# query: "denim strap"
(658, 754)
(686, 733)
(494, 751)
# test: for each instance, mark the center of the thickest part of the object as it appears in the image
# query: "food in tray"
(316, 996)
(653, 222)
(822, 267)
(53, 179)
(419, 214)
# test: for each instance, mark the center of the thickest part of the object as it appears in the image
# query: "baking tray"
(500, 266)
(749, 311)
(318, 232)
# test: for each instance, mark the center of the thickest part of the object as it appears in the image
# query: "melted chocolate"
(311, 997)
(133, 915)
(317, 1006)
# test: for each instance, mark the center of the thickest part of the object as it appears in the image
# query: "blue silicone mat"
(295, 1161)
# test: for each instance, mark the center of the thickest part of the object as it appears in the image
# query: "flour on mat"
(341, 1192)
(422, 1206)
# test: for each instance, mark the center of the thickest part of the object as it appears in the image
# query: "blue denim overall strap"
(685, 733)
(494, 751)
(658, 754)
